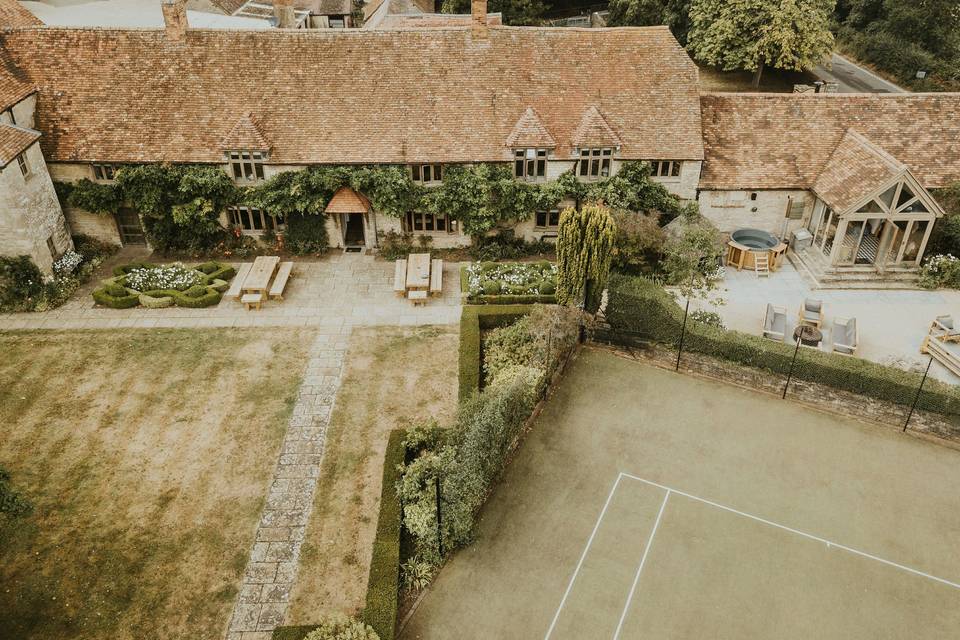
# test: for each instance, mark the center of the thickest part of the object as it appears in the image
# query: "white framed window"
(595, 163)
(24, 165)
(247, 165)
(665, 168)
(254, 220)
(529, 164)
(104, 171)
(548, 219)
(427, 173)
(417, 221)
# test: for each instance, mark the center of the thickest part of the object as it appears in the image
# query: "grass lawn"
(393, 378)
(772, 80)
(147, 456)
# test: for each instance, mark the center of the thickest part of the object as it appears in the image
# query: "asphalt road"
(854, 79)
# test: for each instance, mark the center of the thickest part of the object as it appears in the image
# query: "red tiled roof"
(346, 200)
(354, 96)
(783, 141)
(14, 141)
(13, 14)
(530, 132)
(593, 131)
(245, 135)
(14, 85)
(856, 168)
(431, 20)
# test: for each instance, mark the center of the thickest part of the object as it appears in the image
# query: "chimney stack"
(478, 11)
(283, 12)
(175, 18)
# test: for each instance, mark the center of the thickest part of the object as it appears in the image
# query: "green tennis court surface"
(646, 504)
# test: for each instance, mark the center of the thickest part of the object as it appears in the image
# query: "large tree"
(585, 241)
(640, 13)
(753, 34)
(515, 12)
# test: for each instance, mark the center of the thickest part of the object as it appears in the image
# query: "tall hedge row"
(473, 318)
(639, 308)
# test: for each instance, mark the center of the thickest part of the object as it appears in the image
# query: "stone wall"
(767, 210)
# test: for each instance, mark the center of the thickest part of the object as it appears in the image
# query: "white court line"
(583, 556)
(809, 536)
(643, 560)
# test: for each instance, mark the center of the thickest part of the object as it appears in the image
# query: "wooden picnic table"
(418, 272)
(258, 279)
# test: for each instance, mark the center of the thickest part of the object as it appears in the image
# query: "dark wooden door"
(128, 223)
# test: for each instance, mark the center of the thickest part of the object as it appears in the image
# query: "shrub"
(340, 627)
(382, 586)
(115, 290)
(472, 320)
(158, 302)
(505, 245)
(124, 269)
(711, 318)
(940, 271)
(20, 282)
(67, 263)
(12, 503)
(395, 245)
(91, 248)
(197, 297)
(639, 243)
(126, 301)
(306, 234)
(693, 258)
(584, 252)
(637, 307)
(416, 574)
(507, 346)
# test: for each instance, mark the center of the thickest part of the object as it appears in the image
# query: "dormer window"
(530, 164)
(247, 165)
(104, 172)
(595, 163)
(427, 173)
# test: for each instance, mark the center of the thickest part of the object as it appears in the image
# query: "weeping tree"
(584, 250)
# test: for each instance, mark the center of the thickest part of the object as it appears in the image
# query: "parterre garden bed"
(509, 282)
(158, 286)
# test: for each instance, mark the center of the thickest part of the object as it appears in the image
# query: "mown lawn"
(147, 457)
(393, 378)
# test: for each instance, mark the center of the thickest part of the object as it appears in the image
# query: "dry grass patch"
(394, 377)
(147, 456)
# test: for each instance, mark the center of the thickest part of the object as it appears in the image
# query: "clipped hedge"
(639, 308)
(384, 582)
(298, 632)
(473, 319)
(105, 298)
(116, 295)
(501, 299)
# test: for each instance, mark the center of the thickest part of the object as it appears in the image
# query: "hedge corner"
(472, 320)
(384, 582)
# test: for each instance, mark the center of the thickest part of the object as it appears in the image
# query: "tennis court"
(647, 504)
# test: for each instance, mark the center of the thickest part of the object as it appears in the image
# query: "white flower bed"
(512, 278)
(67, 263)
(174, 276)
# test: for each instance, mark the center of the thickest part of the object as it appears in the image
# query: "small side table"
(808, 335)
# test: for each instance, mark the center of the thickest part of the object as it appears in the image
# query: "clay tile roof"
(784, 141)
(15, 15)
(856, 168)
(346, 200)
(14, 84)
(349, 96)
(229, 7)
(593, 131)
(245, 135)
(14, 141)
(530, 132)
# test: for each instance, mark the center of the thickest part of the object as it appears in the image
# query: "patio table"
(258, 279)
(418, 272)
(808, 335)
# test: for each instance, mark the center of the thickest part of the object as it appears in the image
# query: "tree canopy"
(753, 34)
(641, 13)
(515, 12)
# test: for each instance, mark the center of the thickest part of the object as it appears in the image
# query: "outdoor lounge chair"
(812, 312)
(846, 336)
(947, 328)
(775, 323)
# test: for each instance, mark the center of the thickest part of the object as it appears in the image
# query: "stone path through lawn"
(272, 567)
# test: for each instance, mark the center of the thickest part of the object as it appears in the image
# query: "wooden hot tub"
(746, 244)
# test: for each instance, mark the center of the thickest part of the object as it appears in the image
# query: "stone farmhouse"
(854, 170)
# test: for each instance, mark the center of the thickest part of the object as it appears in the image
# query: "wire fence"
(650, 321)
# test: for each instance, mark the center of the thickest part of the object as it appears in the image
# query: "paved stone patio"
(272, 567)
(892, 323)
(339, 291)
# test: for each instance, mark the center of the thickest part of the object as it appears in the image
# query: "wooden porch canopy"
(346, 200)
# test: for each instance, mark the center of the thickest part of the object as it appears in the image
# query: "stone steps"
(818, 278)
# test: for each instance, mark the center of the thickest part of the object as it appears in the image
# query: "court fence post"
(916, 398)
(683, 333)
(439, 527)
(790, 374)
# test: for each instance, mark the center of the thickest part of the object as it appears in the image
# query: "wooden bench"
(252, 300)
(418, 297)
(400, 277)
(436, 277)
(237, 284)
(941, 354)
(280, 280)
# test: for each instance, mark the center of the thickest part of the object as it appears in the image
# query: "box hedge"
(107, 299)
(638, 308)
(384, 582)
(473, 319)
(501, 299)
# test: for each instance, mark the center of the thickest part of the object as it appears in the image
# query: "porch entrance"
(131, 231)
(353, 235)
(353, 218)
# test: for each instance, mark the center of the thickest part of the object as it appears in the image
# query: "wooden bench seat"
(252, 300)
(234, 291)
(400, 277)
(418, 297)
(436, 277)
(941, 353)
(280, 280)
